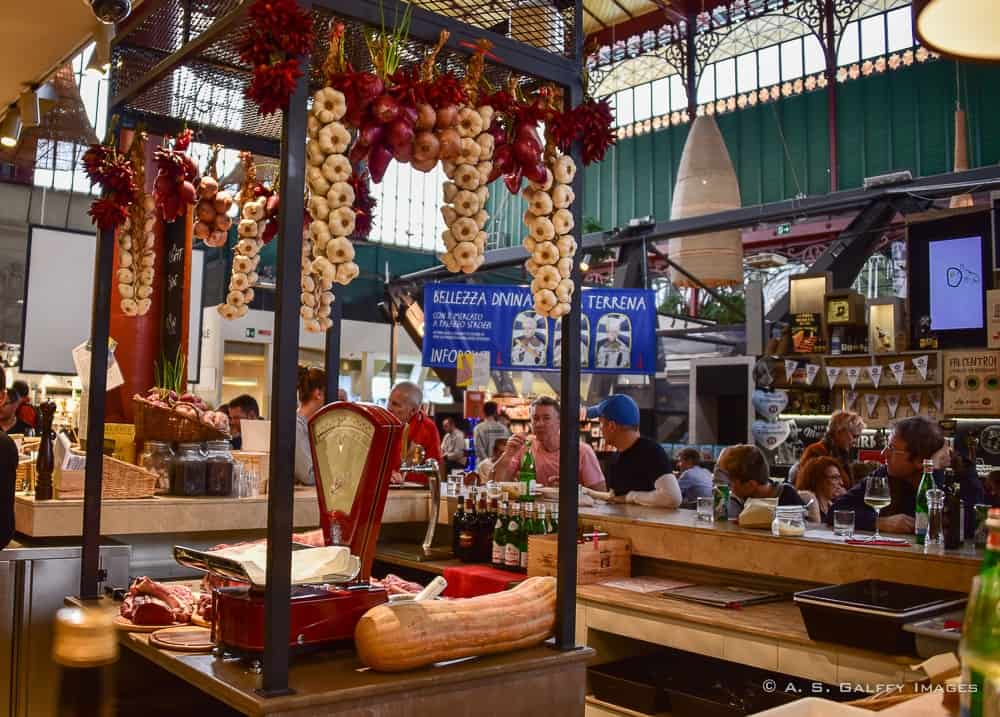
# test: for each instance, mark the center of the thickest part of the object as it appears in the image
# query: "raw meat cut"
(151, 603)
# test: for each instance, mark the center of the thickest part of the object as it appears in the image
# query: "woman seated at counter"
(913, 441)
(842, 433)
(312, 396)
(746, 471)
(823, 477)
(643, 473)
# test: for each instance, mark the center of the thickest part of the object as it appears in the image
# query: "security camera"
(111, 11)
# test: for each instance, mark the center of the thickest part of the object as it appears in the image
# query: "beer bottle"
(512, 551)
(456, 522)
(84, 645)
(921, 516)
(526, 474)
(980, 646)
(467, 532)
(522, 543)
(484, 529)
(953, 527)
(554, 520)
(500, 537)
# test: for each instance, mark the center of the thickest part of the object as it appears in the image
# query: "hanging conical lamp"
(961, 158)
(706, 183)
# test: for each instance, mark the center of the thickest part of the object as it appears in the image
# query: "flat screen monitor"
(950, 271)
(956, 283)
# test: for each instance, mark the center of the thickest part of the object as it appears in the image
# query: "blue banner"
(618, 329)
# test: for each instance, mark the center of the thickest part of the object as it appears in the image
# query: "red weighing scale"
(355, 447)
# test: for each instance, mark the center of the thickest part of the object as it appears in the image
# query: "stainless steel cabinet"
(33, 584)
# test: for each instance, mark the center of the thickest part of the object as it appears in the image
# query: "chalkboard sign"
(178, 257)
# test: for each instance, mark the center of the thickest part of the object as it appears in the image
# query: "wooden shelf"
(599, 708)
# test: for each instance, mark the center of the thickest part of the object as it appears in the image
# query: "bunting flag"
(914, 399)
(790, 366)
(871, 401)
(853, 374)
(898, 369)
(920, 363)
(892, 401)
(935, 399)
(811, 371)
(850, 398)
(876, 374)
(832, 374)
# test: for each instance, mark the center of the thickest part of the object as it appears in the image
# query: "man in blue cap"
(642, 473)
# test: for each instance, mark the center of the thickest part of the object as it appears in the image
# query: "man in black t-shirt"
(643, 472)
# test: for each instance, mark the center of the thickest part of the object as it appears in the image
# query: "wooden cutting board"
(186, 638)
(123, 623)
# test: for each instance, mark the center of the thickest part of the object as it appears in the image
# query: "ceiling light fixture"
(100, 59)
(10, 127)
(960, 29)
(28, 108)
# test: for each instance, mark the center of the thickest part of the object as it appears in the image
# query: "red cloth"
(466, 581)
(422, 431)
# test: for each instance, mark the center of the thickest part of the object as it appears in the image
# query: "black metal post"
(281, 483)
(332, 356)
(691, 63)
(569, 393)
(100, 329)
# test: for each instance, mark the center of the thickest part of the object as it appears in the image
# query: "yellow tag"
(464, 364)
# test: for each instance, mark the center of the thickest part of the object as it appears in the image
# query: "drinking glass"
(843, 523)
(877, 497)
(706, 508)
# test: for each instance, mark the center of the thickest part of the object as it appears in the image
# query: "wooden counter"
(536, 681)
(171, 514)
(818, 557)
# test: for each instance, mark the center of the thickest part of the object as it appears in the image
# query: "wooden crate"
(611, 558)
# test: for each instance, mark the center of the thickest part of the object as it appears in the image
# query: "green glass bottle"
(500, 536)
(512, 553)
(522, 539)
(526, 473)
(980, 646)
(554, 519)
(921, 516)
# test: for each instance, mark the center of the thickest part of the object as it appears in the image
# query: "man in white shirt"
(453, 445)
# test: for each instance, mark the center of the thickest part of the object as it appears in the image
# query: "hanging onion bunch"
(246, 255)
(466, 192)
(211, 215)
(176, 178)
(550, 243)
(136, 240)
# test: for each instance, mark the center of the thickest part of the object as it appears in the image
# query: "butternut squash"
(393, 638)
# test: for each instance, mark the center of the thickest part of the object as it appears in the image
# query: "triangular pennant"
(871, 401)
(832, 374)
(935, 399)
(850, 398)
(876, 374)
(913, 397)
(892, 401)
(920, 363)
(898, 368)
(811, 371)
(853, 373)
(790, 366)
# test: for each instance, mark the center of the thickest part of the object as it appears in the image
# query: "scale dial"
(989, 439)
(342, 441)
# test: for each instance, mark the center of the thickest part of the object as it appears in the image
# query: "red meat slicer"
(354, 449)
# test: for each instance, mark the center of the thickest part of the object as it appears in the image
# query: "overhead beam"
(941, 185)
(597, 19)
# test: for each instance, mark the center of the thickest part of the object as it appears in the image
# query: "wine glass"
(877, 497)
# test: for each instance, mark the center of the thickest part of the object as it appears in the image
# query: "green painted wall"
(900, 119)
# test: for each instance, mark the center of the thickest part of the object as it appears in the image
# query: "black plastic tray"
(871, 613)
(638, 683)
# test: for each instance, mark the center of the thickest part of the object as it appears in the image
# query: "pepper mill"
(46, 453)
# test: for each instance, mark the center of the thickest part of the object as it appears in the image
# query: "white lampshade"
(962, 29)
(10, 128)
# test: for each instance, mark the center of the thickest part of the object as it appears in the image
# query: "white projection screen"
(58, 297)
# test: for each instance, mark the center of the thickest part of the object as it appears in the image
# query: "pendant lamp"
(706, 183)
(960, 29)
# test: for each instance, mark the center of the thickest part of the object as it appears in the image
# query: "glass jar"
(218, 468)
(157, 457)
(789, 520)
(187, 474)
(935, 517)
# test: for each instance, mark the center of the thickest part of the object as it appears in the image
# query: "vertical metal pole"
(100, 328)
(830, 46)
(569, 389)
(285, 372)
(333, 347)
(393, 343)
(691, 64)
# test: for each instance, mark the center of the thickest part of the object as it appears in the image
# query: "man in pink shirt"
(545, 451)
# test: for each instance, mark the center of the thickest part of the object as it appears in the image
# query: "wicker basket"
(153, 423)
(124, 480)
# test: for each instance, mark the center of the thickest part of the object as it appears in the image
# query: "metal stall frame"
(522, 59)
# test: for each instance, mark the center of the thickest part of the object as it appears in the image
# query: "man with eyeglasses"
(913, 441)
